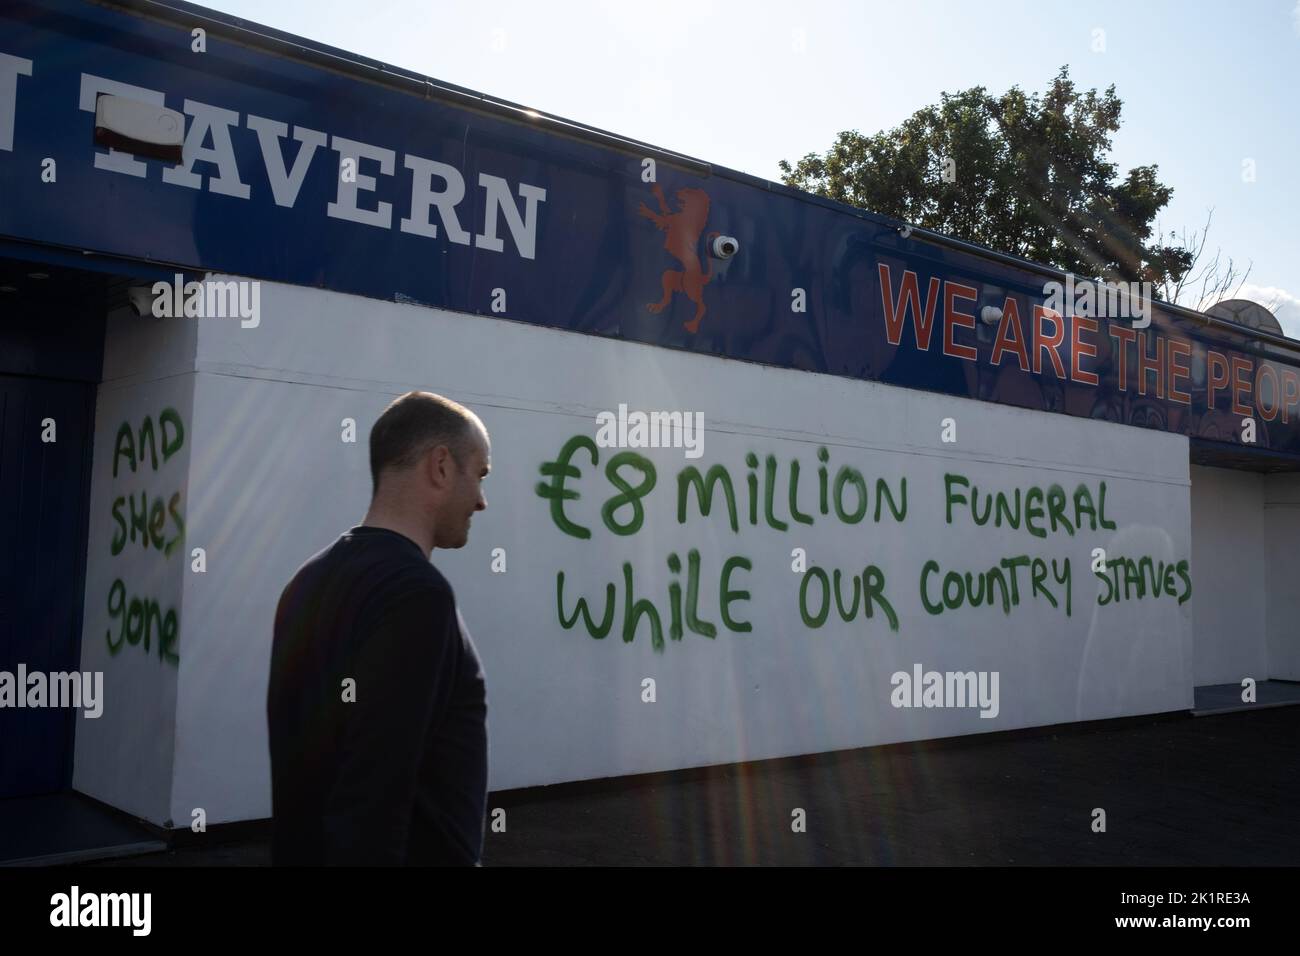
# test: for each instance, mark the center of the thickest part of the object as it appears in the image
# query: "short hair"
(415, 423)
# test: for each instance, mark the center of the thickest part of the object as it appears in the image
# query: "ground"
(1176, 791)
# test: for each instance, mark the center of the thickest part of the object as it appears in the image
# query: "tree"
(1027, 175)
(1206, 280)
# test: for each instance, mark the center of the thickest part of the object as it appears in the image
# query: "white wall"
(1282, 524)
(271, 482)
(124, 757)
(1229, 557)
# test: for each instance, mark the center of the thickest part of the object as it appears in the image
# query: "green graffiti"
(169, 416)
(1083, 506)
(966, 589)
(1143, 577)
(675, 599)
(1034, 494)
(634, 608)
(178, 521)
(148, 523)
(558, 471)
(846, 475)
(795, 513)
(1036, 507)
(693, 596)
(751, 481)
(684, 613)
(631, 495)
(726, 595)
(852, 612)
(818, 619)
(137, 618)
(927, 569)
(1056, 508)
(762, 485)
(883, 494)
(823, 455)
(133, 445)
(769, 493)
(1011, 582)
(716, 477)
(157, 523)
(868, 591)
(582, 608)
(1038, 574)
(873, 592)
(1101, 519)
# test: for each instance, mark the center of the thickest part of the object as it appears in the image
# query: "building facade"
(737, 490)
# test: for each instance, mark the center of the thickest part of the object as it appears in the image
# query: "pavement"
(1176, 791)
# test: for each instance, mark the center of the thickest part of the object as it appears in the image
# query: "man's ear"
(442, 467)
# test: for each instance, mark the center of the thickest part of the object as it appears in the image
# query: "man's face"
(466, 493)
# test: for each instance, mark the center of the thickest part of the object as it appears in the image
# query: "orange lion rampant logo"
(684, 228)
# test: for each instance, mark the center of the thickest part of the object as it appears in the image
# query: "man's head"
(428, 458)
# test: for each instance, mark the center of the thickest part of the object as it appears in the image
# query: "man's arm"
(403, 668)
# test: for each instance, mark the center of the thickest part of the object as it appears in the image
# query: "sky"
(1211, 91)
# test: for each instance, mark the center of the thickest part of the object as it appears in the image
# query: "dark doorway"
(43, 495)
(51, 355)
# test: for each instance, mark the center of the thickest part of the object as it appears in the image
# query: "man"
(377, 706)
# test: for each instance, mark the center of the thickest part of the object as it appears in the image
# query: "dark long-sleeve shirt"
(391, 769)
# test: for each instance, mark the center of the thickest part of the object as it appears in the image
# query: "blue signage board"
(344, 179)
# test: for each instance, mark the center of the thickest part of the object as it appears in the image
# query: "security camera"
(141, 299)
(724, 247)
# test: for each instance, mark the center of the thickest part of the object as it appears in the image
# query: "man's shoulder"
(413, 583)
(394, 571)
(369, 565)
